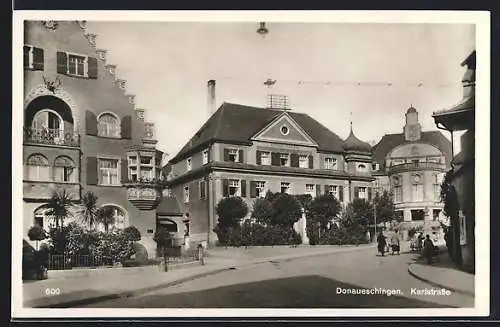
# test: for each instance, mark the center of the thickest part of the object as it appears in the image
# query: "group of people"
(394, 245)
(384, 245)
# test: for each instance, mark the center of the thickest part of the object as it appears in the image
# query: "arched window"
(37, 168)
(64, 169)
(397, 189)
(120, 218)
(108, 125)
(48, 124)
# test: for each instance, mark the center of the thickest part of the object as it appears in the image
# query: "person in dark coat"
(428, 248)
(381, 243)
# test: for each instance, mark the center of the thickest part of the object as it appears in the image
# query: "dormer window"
(189, 164)
(233, 155)
(330, 163)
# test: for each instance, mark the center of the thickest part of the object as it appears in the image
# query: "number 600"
(52, 291)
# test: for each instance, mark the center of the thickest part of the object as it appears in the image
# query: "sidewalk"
(107, 284)
(443, 274)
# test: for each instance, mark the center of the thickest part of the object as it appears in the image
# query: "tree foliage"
(37, 233)
(89, 206)
(323, 209)
(384, 207)
(263, 211)
(230, 211)
(59, 206)
(287, 210)
(105, 216)
(163, 238)
(132, 233)
(449, 196)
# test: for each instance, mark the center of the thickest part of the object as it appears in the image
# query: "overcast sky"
(375, 71)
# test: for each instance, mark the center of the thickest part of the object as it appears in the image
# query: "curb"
(425, 280)
(127, 294)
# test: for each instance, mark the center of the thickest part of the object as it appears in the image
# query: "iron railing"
(50, 137)
(409, 166)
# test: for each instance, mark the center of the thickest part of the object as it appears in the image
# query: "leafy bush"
(287, 210)
(36, 233)
(114, 246)
(258, 235)
(324, 209)
(230, 211)
(163, 239)
(132, 234)
(263, 211)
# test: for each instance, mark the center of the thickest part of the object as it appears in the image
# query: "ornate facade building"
(82, 131)
(411, 165)
(246, 151)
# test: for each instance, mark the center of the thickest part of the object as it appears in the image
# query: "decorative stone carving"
(149, 130)
(111, 69)
(102, 54)
(144, 197)
(92, 38)
(82, 23)
(41, 90)
(131, 98)
(122, 84)
(50, 24)
(139, 113)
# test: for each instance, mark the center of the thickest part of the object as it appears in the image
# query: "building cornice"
(267, 170)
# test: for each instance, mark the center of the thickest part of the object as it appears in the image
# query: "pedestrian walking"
(382, 243)
(395, 247)
(428, 249)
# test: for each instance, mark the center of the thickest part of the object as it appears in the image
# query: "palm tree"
(59, 206)
(89, 204)
(106, 216)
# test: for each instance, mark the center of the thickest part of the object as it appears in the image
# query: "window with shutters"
(333, 190)
(285, 187)
(330, 163)
(285, 159)
(33, 58)
(233, 155)
(77, 65)
(64, 169)
(38, 168)
(310, 190)
(189, 164)
(108, 125)
(265, 158)
(260, 189)
(234, 187)
(205, 157)
(109, 172)
(362, 193)
(186, 194)
(303, 161)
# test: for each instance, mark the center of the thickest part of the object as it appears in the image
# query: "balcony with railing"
(412, 166)
(50, 137)
(145, 194)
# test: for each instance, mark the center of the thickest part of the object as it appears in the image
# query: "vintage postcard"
(250, 164)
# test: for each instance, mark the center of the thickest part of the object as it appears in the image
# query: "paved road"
(311, 282)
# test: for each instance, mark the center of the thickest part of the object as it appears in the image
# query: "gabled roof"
(390, 141)
(237, 124)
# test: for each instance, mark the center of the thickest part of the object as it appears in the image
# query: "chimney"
(211, 98)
